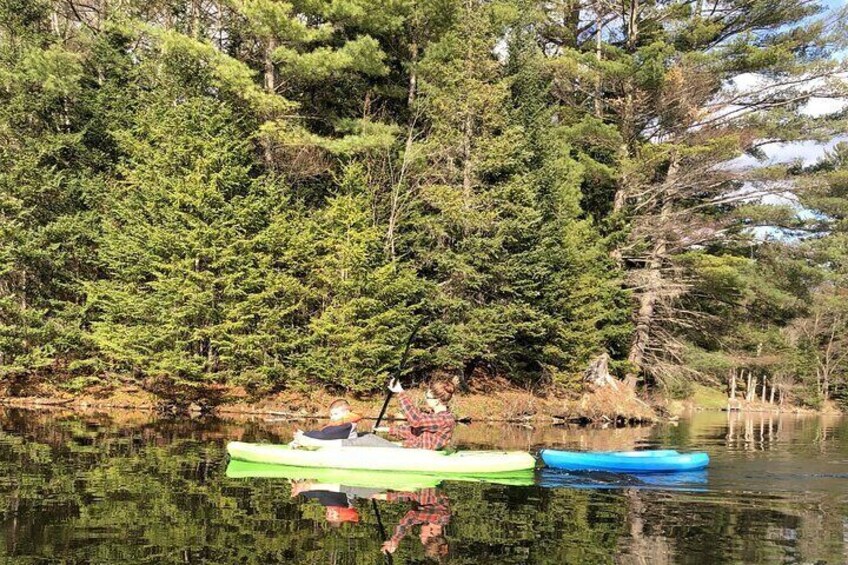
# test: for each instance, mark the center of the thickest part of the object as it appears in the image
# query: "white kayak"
(384, 458)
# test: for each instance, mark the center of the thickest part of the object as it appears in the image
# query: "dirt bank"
(486, 404)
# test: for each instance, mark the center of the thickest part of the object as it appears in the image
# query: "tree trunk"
(467, 130)
(195, 19)
(410, 136)
(652, 282)
(620, 198)
(632, 25)
(268, 64)
(54, 23)
(642, 335)
(270, 87)
(826, 386)
(752, 391)
(571, 21)
(466, 161)
(748, 385)
(628, 111)
(764, 390)
(599, 109)
(598, 373)
(628, 118)
(733, 384)
(771, 397)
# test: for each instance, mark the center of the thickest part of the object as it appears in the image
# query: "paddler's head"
(338, 515)
(439, 394)
(339, 410)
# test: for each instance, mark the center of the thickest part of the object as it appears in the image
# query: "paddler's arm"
(393, 496)
(331, 432)
(401, 431)
(401, 530)
(322, 487)
(415, 417)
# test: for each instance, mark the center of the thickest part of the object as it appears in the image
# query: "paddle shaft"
(397, 373)
(383, 409)
(381, 530)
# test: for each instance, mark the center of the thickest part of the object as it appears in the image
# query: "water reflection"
(692, 481)
(129, 488)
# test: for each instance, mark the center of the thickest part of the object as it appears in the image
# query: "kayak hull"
(385, 459)
(625, 462)
(383, 480)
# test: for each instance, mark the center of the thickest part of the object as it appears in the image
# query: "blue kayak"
(656, 461)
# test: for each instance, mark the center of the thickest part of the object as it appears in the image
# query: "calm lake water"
(130, 488)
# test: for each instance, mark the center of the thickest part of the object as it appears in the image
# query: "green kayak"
(383, 480)
(421, 461)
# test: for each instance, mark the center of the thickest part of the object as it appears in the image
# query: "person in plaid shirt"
(424, 430)
(431, 512)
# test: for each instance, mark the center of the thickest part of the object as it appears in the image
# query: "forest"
(278, 194)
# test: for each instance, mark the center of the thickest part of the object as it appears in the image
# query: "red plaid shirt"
(423, 430)
(431, 508)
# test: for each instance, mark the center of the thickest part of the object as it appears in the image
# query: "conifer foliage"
(275, 194)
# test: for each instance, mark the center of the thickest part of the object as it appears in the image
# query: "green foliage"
(274, 194)
(172, 240)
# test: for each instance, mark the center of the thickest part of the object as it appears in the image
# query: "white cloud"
(818, 107)
(807, 152)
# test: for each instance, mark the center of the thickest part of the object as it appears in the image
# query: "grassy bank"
(708, 398)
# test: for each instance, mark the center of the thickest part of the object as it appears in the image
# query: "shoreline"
(489, 405)
(505, 406)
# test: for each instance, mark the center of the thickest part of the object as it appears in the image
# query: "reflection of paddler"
(337, 500)
(431, 512)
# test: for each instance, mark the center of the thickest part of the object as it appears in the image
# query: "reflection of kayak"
(387, 480)
(687, 480)
(385, 459)
(661, 461)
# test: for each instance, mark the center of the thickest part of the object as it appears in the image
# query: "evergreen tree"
(173, 232)
(48, 178)
(275, 194)
(685, 87)
(522, 287)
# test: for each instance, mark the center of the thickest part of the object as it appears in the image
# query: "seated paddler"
(342, 426)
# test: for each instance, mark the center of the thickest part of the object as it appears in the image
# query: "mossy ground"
(706, 398)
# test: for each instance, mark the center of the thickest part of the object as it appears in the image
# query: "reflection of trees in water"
(88, 490)
(565, 436)
(767, 431)
(750, 435)
(753, 524)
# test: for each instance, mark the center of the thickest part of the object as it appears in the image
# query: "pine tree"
(48, 176)
(170, 240)
(672, 81)
(522, 285)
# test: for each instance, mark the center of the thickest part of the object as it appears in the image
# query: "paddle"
(381, 530)
(398, 371)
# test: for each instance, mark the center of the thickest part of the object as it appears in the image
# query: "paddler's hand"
(297, 487)
(389, 547)
(395, 386)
